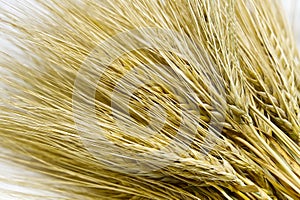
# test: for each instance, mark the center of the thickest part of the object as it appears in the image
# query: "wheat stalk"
(240, 138)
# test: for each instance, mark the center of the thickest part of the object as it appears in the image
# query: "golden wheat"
(223, 91)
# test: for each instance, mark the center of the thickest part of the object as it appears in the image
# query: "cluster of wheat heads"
(206, 108)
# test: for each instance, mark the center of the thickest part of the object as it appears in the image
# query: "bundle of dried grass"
(151, 99)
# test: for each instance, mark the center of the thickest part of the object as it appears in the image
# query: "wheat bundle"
(150, 99)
